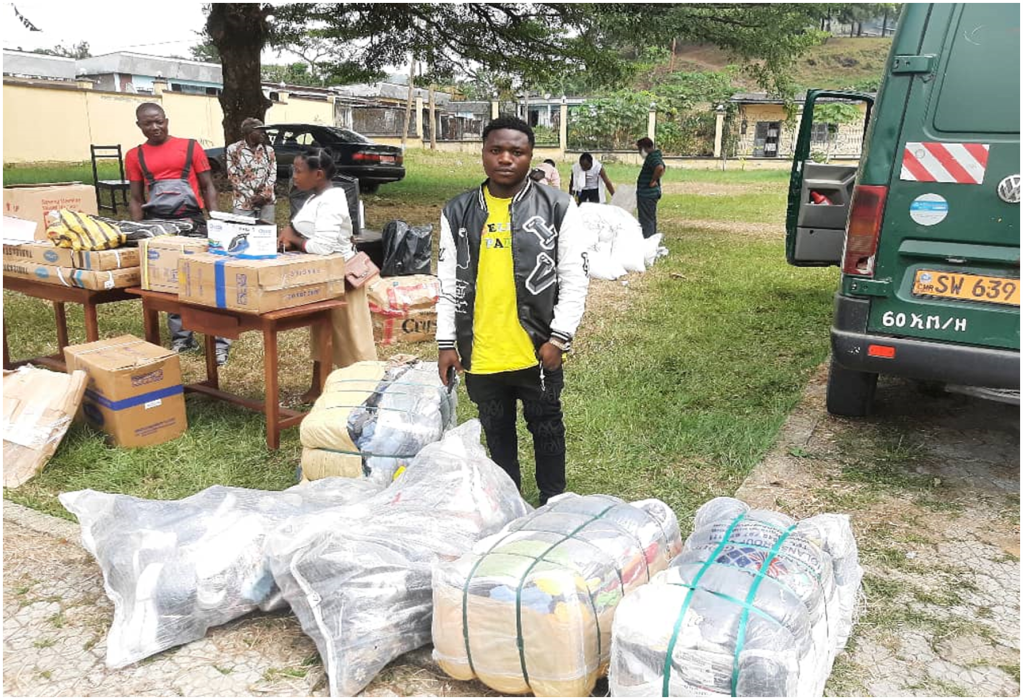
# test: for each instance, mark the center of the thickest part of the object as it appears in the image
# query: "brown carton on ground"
(38, 408)
(45, 253)
(160, 260)
(33, 201)
(258, 286)
(413, 327)
(135, 393)
(70, 277)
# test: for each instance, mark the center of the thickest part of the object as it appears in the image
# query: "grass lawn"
(679, 383)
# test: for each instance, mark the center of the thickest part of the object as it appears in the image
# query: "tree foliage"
(79, 50)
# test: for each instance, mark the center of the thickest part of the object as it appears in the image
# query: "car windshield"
(347, 135)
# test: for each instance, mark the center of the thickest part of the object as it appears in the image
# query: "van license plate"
(950, 285)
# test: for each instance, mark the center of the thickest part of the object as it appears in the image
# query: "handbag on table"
(359, 270)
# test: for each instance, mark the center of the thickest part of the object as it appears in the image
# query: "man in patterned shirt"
(252, 170)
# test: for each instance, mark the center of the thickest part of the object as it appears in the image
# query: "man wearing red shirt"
(179, 187)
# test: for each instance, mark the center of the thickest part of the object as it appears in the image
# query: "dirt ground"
(931, 483)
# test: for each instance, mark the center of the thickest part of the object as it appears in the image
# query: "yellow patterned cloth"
(77, 231)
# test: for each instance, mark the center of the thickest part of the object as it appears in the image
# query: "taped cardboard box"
(413, 327)
(31, 202)
(160, 257)
(135, 393)
(96, 280)
(45, 253)
(397, 296)
(258, 286)
(38, 408)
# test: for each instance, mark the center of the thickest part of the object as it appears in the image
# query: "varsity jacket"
(550, 245)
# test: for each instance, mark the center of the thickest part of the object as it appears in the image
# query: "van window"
(980, 90)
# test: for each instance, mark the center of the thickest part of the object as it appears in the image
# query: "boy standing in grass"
(648, 185)
(512, 266)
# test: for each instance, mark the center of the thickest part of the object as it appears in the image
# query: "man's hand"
(258, 201)
(550, 357)
(445, 361)
(289, 239)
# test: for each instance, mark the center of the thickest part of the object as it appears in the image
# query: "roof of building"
(132, 63)
(391, 91)
(764, 98)
(37, 65)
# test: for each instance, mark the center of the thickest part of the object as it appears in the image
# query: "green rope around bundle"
(666, 673)
(747, 605)
(518, 592)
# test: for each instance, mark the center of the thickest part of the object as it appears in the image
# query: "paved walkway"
(932, 483)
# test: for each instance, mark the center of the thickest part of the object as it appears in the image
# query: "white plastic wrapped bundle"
(619, 248)
(530, 609)
(373, 418)
(359, 577)
(757, 604)
(173, 569)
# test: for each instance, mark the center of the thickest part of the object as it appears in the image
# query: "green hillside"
(842, 62)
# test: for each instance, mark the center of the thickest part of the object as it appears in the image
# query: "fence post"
(563, 127)
(651, 123)
(159, 85)
(495, 108)
(719, 130)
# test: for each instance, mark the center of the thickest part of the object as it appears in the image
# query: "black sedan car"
(373, 164)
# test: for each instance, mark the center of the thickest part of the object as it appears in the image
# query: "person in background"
(170, 179)
(538, 176)
(648, 185)
(323, 226)
(551, 175)
(512, 269)
(589, 180)
(252, 171)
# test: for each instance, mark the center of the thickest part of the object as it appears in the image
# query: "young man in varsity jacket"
(513, 273)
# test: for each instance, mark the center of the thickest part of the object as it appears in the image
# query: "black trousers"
(647, 208)
(495, 396)
(589, 196)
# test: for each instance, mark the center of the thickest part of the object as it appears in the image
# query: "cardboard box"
(160, 257)
(40, 253)
(71, 277)
(413, 327)
(245, 241)
(135, 393)
(33, 201)
(38, 408)
(45, 253)
(115, 259)
(397, 296)
(258, 286)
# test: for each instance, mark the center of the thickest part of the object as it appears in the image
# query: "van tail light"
(865, 214)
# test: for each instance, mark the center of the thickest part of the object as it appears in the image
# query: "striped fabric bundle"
(77, 231)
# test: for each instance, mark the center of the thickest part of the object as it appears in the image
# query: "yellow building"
(762, 127)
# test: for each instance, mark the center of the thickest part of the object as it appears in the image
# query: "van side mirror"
(819, 190)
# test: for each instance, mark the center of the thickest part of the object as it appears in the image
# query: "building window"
(819, 132)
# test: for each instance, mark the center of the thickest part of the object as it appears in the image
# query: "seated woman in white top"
(323, 226)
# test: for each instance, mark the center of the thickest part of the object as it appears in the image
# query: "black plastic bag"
(407, 249)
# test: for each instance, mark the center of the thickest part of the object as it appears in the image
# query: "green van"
(926, 229)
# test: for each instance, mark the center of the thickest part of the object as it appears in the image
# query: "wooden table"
(228, 323)
(61, 295)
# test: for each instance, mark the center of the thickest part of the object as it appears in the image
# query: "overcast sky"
(163, 29)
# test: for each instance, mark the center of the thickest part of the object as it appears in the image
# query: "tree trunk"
(671, 61)
(859, 29)
(239, 30)
(408, 105)
(884, 24)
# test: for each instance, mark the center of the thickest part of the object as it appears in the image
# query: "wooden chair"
(114, 186)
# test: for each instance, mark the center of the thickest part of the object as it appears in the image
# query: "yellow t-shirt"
(500, 343)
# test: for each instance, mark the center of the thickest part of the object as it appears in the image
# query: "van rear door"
(947, 263)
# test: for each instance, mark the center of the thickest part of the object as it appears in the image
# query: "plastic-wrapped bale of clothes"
(359, 577)
(173, 569)
(373, 418)
(530, 609)
(757, 604)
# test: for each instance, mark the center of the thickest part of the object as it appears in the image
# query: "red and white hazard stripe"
(931, 161)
